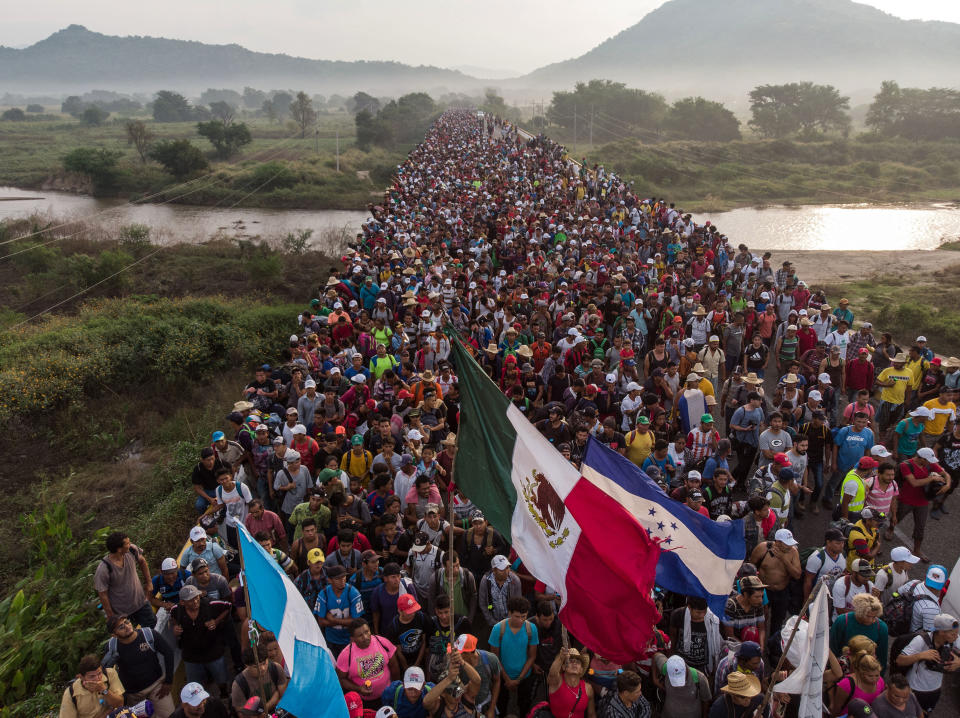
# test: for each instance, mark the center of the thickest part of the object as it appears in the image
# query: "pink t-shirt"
(878, 498)
(368, 664)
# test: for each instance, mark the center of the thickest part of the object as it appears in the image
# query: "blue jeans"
(206, 673)
(816, 473)
(201, 504)
(144, 616)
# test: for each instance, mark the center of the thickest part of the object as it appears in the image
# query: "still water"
(180, 222)
(806, 227)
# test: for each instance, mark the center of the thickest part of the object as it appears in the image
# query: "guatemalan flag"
(275, 604)
(700, 557)
(570, 532)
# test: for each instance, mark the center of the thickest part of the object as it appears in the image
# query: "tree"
(231, 97)
(223, 111)
(72, 106)
(140, 136)
(97, 163)
(94, 116)
(798, 107)
(226, 139)
(495, 105)
(267, 110)
(698, 119)
(613, 108)
(171, 107)
(14, 114)
(281, 104)
(179, 157)
(914, 113)
(303, 113)
(884, 111)
(34, 108)
(362, 101)
(252, 98)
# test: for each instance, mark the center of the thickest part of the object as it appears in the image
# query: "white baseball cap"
(785, 536)
(927, 454)
(170, 564)
(936, 576)
(193, 694)
(633, 386)
(500, 562)
(824, 378)
(902, 553)
(921, 338)
(298, 429)
(414, 435)
(676, 671)
(197, 533)
(413, 678)
(815, 395)
(881, 451)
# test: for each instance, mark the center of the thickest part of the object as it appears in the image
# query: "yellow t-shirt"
(901, 378)
(916, 369)
(639, 446)
(941, 414)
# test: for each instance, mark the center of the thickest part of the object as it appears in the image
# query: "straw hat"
(900, 358)
(409, 252)
(951, 363)
(701, 312)
(582, 657)
(740, 684)
(332, 282)
(450, 440)
(752, 378)
(790, 379)
(242, 406)
(698, 367)
(525, 351)
(491, 347)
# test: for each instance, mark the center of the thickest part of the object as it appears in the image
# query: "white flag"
(807, 679)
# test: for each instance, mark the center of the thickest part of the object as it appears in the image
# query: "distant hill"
(722, 48)
(76, 59)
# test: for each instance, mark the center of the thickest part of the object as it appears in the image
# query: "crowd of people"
(599, 312)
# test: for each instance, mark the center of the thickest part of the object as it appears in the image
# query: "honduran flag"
(570, 533)
(699, 557)
(277, 605)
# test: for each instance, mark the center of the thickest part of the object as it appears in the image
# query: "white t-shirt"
(888, 583)
(926, 607)
(236, 503)
(919, 676)
(825, 566)
(627, 405)
(843, 593)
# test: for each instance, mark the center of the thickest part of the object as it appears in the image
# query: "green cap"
(706, 418)
(327, 474)
(314, 302)
(643, 420)
(356, 440)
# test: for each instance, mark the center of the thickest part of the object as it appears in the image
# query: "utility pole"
(591, 128)
(574, 129)
(316, 140)
(338, 150)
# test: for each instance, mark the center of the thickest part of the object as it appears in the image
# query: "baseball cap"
(310, 384)
(197, 533)
(706, 418)
(869, 513)
(880, 451)
(921, 338)
(298, 429)
(198, 563)
(927, 454)
(936, 576)
(315, 555)
(749, 649)
(354, 704)
(386, 712)
(336, 571)
(476, 515)
(867, 462)
(902, 553)
(751, 583)
(218, 435)
(834, 534)
(643, 419)
(432, 509)
(356, 440)
(815, 395)
(193, 694)
(676, 671)
(420, 542)
(781, 459)
(465, 643)
(413, 678)
(500, 562)
(863, 567)
(859, 708)
(694, 476)
(785, 536)
(945, 622)
(407, 603)
(786, 474)
(695, 496)
(168, 564)
(188, 593)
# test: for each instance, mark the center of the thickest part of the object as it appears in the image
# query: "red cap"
(591, 389)
(407, 603)
(867, 463)
(936, 361)
(354, 704)
(371, 404)
(781, 459)
(404, 394)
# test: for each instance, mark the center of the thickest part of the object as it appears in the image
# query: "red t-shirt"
(910, 494)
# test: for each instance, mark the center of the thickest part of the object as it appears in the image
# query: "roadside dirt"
(818, 267)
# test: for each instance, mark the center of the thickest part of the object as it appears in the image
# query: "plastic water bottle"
(143, 709)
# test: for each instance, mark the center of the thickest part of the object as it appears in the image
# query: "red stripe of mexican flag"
(569, 533)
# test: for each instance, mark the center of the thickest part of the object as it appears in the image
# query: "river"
(849, 227)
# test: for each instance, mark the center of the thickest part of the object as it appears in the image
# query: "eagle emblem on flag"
(546, 507)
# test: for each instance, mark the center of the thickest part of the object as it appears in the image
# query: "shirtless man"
(778, 563)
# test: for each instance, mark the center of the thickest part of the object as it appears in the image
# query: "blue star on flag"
(660, 525)
(652, 511)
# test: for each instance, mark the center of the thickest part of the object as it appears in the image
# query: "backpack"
(241, 680)
(901, 642)
(396, 695)
(134, 551)
(898, 613)
(502, 625)
(110, 659)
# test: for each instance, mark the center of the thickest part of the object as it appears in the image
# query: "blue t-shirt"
(710, 468)
(513, 646)
(211, 554)
(908, 438)
(395, 697)
(348, 604)
(366, 589)
(851, 446)
(745, 416)
(662, 465)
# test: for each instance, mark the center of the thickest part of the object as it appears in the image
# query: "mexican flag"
(570, 533)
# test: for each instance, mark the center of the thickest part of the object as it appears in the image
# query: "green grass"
(31, 154)
(710, 176)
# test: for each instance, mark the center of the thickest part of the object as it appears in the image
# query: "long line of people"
(599, 312)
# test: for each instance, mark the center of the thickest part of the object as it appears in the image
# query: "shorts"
(205, 673)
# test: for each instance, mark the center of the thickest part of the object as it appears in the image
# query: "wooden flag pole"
(253, 635)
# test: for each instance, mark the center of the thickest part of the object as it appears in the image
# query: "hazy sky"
(516, 35)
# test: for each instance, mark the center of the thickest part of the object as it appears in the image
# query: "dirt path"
(831, 267)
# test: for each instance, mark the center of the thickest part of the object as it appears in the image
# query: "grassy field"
(710, 176)
(31, 154)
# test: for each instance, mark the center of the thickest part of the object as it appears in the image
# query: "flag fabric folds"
(570, 533)
(699, 557)
(275, 604)
(812, 645)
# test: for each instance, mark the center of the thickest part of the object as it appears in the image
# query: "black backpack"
(901, 642)
(898, 613)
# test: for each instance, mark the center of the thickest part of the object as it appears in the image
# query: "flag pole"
(253, 635)
(768, 696)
